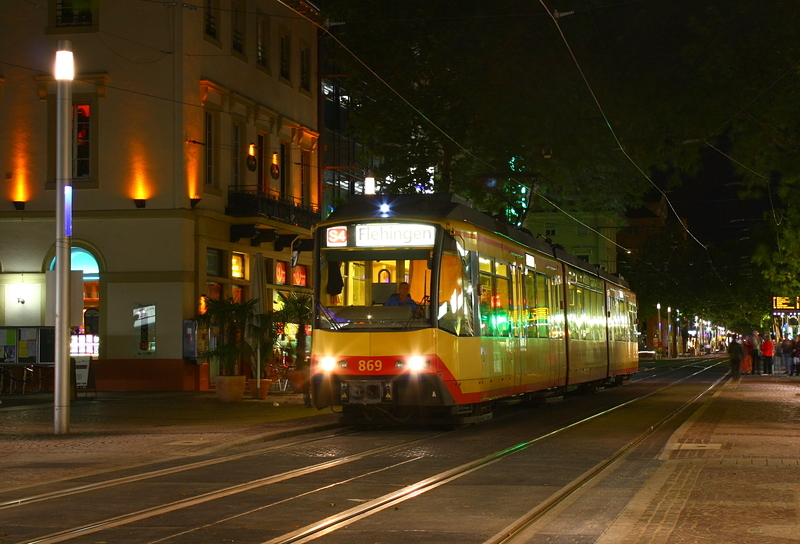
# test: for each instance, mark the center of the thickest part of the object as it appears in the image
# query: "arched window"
(82, 260)
(85, 341)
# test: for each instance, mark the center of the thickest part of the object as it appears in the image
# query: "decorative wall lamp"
(275, 168)
(140, 202)
(19, 205)
(195, 200)
(252, 163)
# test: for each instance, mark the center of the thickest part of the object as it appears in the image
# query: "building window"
(237, 27)
(81, 141)
(280, 272)
(74, 13)
(305, 68)
(210, 140)
(214, 262)
(549, 229)
(284, 178)
(300, 275)
(237, 266)
(211, 19)
(285, 55)
(262, 42)
(305, 177)
(236, 155)
(263, 165)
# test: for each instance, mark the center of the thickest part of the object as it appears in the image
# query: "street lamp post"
(669, 332)
(660, 336)
(64, 73)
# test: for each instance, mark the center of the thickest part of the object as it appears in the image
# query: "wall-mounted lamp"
(275, 169)
(252, 163)
(19, 205)
(140, 202)
(195, 200)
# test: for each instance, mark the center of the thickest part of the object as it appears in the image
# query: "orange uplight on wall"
(140, 187)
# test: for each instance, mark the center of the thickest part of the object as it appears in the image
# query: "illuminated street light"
(669, 332)
(64, 73)
(660, 335)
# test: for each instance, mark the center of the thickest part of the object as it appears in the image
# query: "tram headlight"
(327, 364)
(417, 364)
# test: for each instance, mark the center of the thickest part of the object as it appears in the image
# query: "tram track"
(322, 527)
(211, 462)
(326, 526)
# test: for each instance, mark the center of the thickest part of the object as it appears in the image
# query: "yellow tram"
(492, 313)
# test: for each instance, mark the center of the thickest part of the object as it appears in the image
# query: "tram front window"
(357, 285)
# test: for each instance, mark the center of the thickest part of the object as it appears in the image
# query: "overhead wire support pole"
(64, 73)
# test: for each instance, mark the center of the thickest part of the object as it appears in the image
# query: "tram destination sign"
(381, 235)
(786, 304)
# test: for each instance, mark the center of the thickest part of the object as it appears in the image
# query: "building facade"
(596, 245)
(194, 153)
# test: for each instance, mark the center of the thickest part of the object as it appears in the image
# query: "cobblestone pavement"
(123, 429)
(729, 474)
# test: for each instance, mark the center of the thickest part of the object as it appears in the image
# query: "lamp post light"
(669, 332)
(64, 73)
(660, 336)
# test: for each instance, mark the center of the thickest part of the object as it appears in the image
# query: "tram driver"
(403, 298)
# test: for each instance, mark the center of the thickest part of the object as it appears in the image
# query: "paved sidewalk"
(731, 473)
(122, 429)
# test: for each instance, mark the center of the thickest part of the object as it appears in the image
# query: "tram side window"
(576, 312)
(529, 303)
(596, 316)
(556, 300)
(502, 302)
(615, 330)
(542, 305)
(454, 311)
(537, 305)
(495, 298)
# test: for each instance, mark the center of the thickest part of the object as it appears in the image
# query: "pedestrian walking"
(787, 347)
(747, 362)
(768, 352)
(736, 353)
(755, 341)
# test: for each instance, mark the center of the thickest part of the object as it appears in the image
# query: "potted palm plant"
(297, 308)
(262, 335)
(230, 318)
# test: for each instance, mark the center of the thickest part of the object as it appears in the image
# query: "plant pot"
(262, 390)
(230, 388)
(296, 380)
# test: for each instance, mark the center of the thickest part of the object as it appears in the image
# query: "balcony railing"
(256, 201)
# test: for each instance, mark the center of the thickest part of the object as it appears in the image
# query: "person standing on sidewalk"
(768, 352)
(755, 341)
(736, 354)
(786, 355)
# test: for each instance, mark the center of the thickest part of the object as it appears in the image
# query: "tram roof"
(453, 206)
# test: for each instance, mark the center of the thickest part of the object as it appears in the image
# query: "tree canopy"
(590, 108)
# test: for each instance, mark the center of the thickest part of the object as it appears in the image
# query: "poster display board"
(27, 346)
(8, 345)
